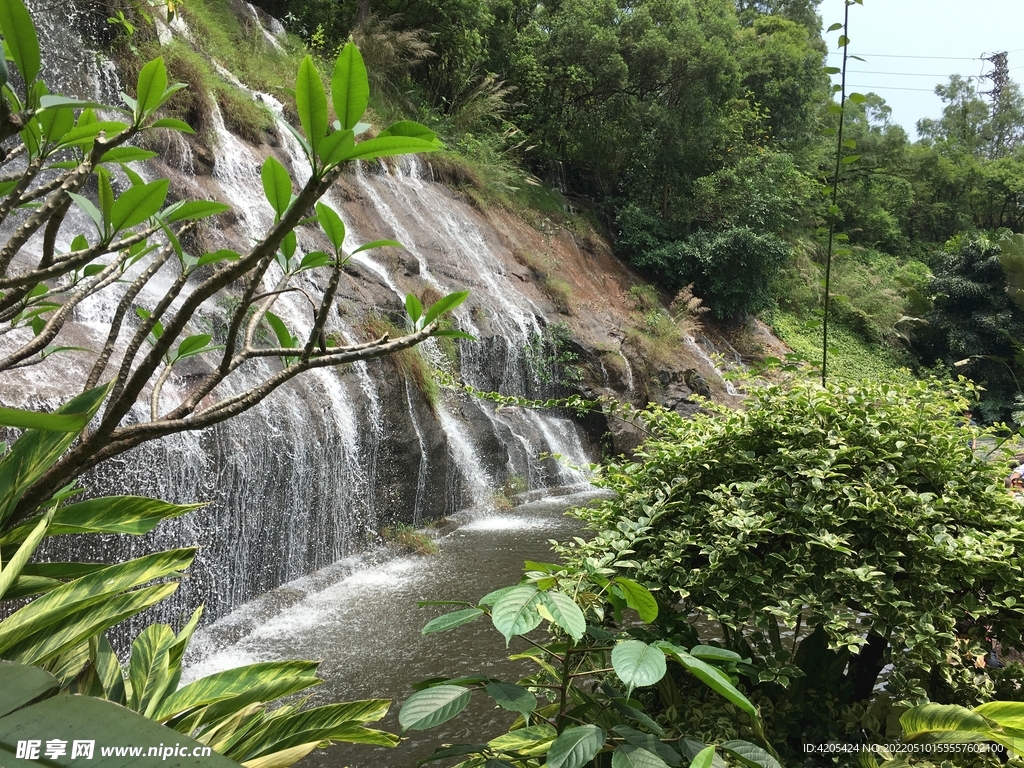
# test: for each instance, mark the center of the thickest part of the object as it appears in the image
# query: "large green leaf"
(452, 620)
(410, 129)
(196, 209)
(1006, 714)
(35, 451)
(108, 669)
(277, 185)
(442, 305)
(750, 754)
(133, 515)
(512, 697)
(386, 146)
(24, 718)
(138, 203)
(704, 759)
(713, 678)
(638, 664)
(638, 597)
(629, 756)
(20, 37)
(576, 746)
(311, 102)
(516, 612)
(432, 706)
(232, 682)
(350, 90)
(565, 613)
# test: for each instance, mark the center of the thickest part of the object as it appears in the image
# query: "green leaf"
(331, 224)
(337, 147)
(575, 747)
(350, 90)
(108, 669)
(87, 132)
(126, 155)
(311, 102)
(1006, 714)
(194, 210)
(433, 706)
(277, 186)
(410, 129)
(193, 345)
(493, 597)
(857, 98)
(512, 697)
(566, 614)
(713, 678)
(284, 337)
(515, 613)
(453, 334)
(105, 192)
(442, 305)
(387, 146)
(451, 620)
(638, 597)
(704, 759)
(20, 38)
(173, 124)
(151, 87)
(51, 422)
(714, 654)
(137, 204)
(750, 754)
(638, 664)
(850, 159)
(314, 259)
(223, 254)
(13, 567)
(378, 244)
(413, 307)
(629, 756)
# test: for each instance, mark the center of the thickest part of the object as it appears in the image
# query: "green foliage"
(553, 358)
(854, 521)
(408, 539)
(580, 702)
(975, 324)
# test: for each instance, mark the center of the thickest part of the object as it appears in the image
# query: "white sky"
(950, 36)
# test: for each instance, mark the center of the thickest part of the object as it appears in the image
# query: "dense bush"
(826, 534)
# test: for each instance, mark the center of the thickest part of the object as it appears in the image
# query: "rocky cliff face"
(314, 472)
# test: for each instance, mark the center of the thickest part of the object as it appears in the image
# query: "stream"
(360, 616)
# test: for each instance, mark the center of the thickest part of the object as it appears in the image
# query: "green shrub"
(824, 533)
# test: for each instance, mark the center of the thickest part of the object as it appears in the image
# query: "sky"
(910, 46)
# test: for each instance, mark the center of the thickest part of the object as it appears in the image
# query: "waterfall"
(310, 475)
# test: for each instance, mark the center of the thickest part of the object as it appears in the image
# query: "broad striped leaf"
(232, 682)
(284, 758)
(76, 628)
(532, 740)
(148, 670)
(35, 451)
(108, 669)
(88, 591)
(133, 515)
(334, 722)
(432, 706)
(575, 747)
(918, 721)
(350, 90)
(13, 567)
